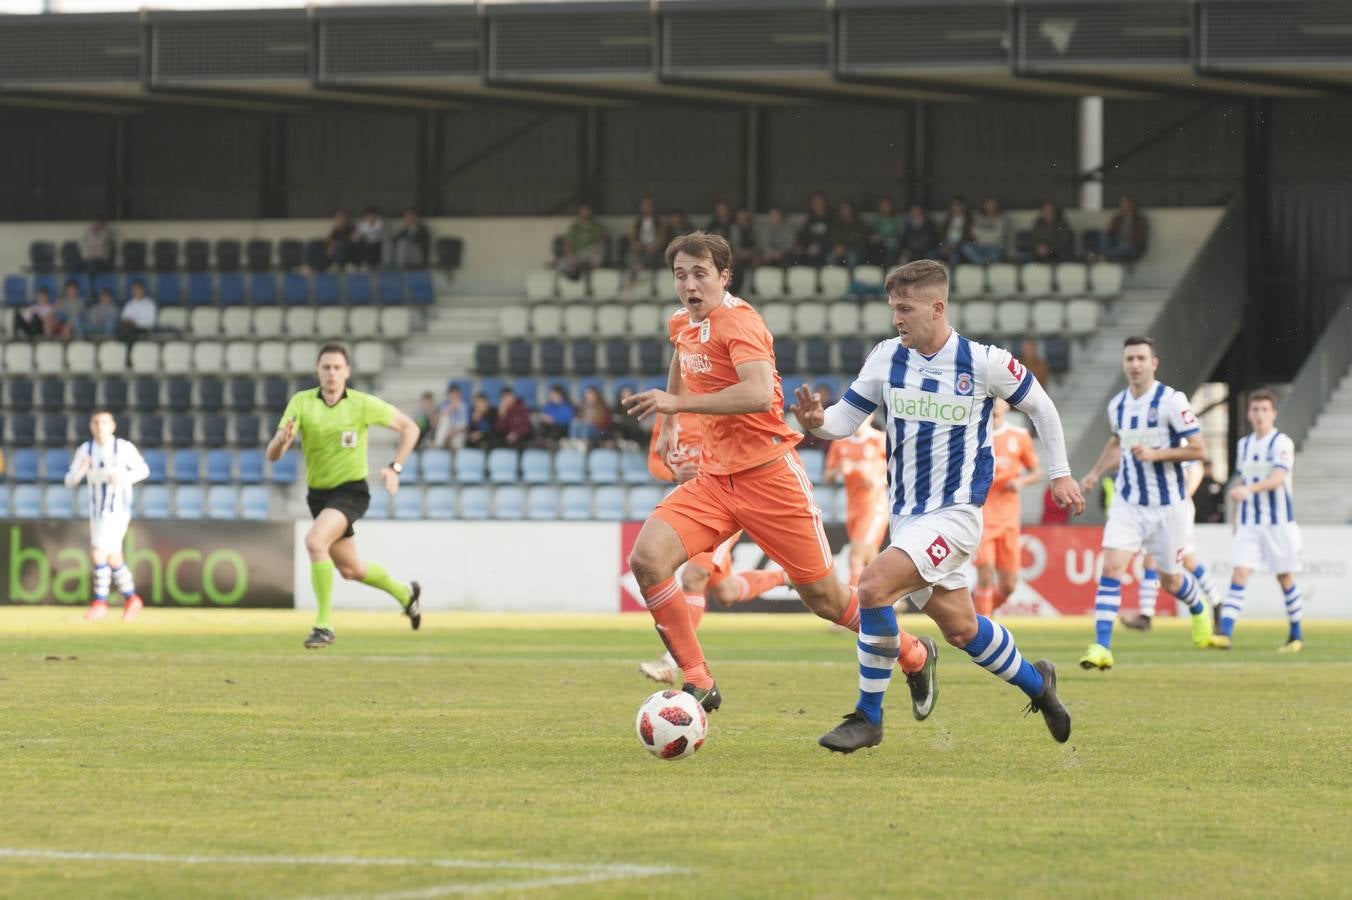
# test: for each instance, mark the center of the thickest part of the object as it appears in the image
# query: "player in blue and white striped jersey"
(937, 389)
(111, 465)
(1154, 434)
(1266, 534)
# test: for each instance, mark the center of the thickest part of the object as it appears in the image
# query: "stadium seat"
(249, 464)
(295, 289)
(469, 465)
(875, 321)
(368, 358)
(23, 429)
(491, 388)
(240, 357)
(605, 284)
(817, 355)
(26, 502)
(255, 503)
(509, 502)
(55, 464)
(283, 471)
(164, 253)
(168, 290)
(327, 289)
(519, 357)
(979, 317)
(575, 502)
(767, 283)
(1048, 317)
(410, 474)
(551, 357)
(81, 357)
(336, 322)
(83, 393)
(584, 357)
(843, 317)
(208, 356)
(474, 503)
(646, 319)
(1037, 279)
(189, 502)
(1002, 279)
(408, 504)
(800, 282)
(609, 503)
(969, 281)
(809, 319)
(290, 253)
(535, 466)
(181, 431)
(539, 285)
(174, 319)
(603, 466)
(814, 461)
(204, 321)
(246, 431)
(221, 502)
(49, 357)
(271, 357)
(228, 253)
(612, 320)
(300, 355)
(242, 390)
(186, 466)
(542, 502)
(1082, 316)
(440, 503)
(390, 289)
(395, 322)
(16, 290)
(617, 357)
(267, 321)
(258, 253)
(55, 430)
(178, 394)
(1072, 279)
(175, 358)
(379, 508)
(569, 466)
(316, 254)
(220, 465)
(71, 260)
(835, 281)
(263, 288)
(778, 317)
(213, 431)
(572, 289)
(1057, 352)
(650, 353)
(42, 256)
(18, 391)
(113, 393)
(52, 394)
(58, 502)
(436, 466)
(579, 320)
(201, 291)
(420, 289)
(18, 356)
(514, 321)
(149, 430)
(24, 463)
(502, 465)
(358, 291)
(145, 357)
(1105, 279)
(1012, 317)
(642, 500)
(157, 462)
(154, 501)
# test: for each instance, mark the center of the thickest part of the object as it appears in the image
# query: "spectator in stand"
(96, 247)
(70, 312)
(745, 257)
(677, 225)
(339, 244)
(512, 426)
(369, 239)
(556, 415)
(1052, 240)
(990, 234)
(592, 423)
(647, 240)
(482, 431)
(452, 420)
(138, 316)
(1209, 498)
(1128, 233)
(885, 234)
(850, 237)
(721, 221)
(777, 240)
(918, 239)
(957, 233)
(412, 242)
(1035, 362)
(584, 244)
(101, 319)
(816, 239)
(624, 427)
(37, 319)
(426, 417)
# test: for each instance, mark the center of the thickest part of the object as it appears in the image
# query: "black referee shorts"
(351, 498)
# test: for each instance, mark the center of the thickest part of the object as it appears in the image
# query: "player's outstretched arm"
(754, 392)
(837, 421)
(1041, 411)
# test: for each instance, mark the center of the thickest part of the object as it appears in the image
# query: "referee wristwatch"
(397, 468)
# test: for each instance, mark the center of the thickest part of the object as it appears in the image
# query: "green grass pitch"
(206, 754)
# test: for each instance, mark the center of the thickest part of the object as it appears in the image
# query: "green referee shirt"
(333, 438)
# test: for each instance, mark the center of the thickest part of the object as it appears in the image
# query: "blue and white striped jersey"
(1255, 458)
(938, 412)
(1160, 417)
(112, 470)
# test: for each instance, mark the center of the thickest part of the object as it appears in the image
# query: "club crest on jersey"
(348, 439)
(704, 331)
(1153, 416)
(965, 384)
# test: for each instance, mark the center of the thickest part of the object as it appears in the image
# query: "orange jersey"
(709, 353)
(1014, 455)
(862, 462)
(688, 444)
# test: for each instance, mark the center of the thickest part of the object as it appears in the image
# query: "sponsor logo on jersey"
(1016, 369)
(938, 550)
(695, 364)
(1140, 437)
(965, 384)
(924, 406)
(1188, 417)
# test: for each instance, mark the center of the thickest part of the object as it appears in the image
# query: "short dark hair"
(334, 347)
(917, 276)
(701, 245)
(1263, 394)
(102, 411)
(1141, 339)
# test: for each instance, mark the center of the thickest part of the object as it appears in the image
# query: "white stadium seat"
(1082, 316)
(236, 321)
(645, 319)
(112, 356)
(869, 275)
(300, 321)
(1048, 316)
(81, 357)
(809, 320)
(19, 355)
(572, 288)
(978, 317)
(240, 357)
(272, 357)
(802, 282)
(843, 317)
(1072, 279)
(835, 281)
(612, 320)
(1037, 279)
(605, 284)
(546, 320)
(145, 358)
(205, 322)
(1011, 316)
(396, 321)
(1105, 279)
(778, 317)
(268, 321)
(300, 356)
(955, 314)
(1002, 280)
(767, 283)
(49, 358)
(969, 281)
(579, 320)
(368, 357)
(540, 284)
(174, 317)
(331, 322)
(208, 357)
(877, 320)
(362, 322)
(514, 321)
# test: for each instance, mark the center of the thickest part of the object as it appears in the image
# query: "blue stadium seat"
(818, 355)
(155, 501)
(1057, 352)
(4, 501)
(186, 466)
(436, 466)
(528, 389)
(536, 467)
(290, 253)
(358, 289)
(258, 253)
(228, 252)
(165, 254)
(551, 357)
(509, 502)
(83, 394)
(42, 256)
(189, 502)
(255, 502)
(295, 289)
(231, 289)
(168, 290)
(19, 391)
(263, 289)
(157, 461)
(16, 290)
(219, 467)
(441, 503)
(26, 502)
(48, 281)
(642, 499)
(113, 390)
(569, 466)
(55, 430)
(575, 503)
(178, 394)
(149, 430)
(210, 394)
(133, 255)
(634, 467)
(474, 502)
(249, 464)
(146, 394)
(283, 471)
(52, 394)
(420, 288)
(276, 394)
(58, 502)
(247, 428)
(815, 463)
(24, 428)
(832, 383)
(326, 289)
(469, 466)
(650, 358)
(71, 260)
(24, 465)
(391, 288)
(491, 388)
(603, 466)
(380, 506)
(502, 465)
(519, 353)
(584, 357)
(411, 472)
(788, 384)
(610, 502)
(221, 502)
(317, 254)
(408, 504)
(106, 281)
(181, 431)
(542, 502)
(201, 292)
(487, 359)
(616, 352)
(55, 464)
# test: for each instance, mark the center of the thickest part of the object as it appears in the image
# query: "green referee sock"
(377, 577)
(321, 577)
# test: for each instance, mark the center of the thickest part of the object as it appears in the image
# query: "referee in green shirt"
(332, 421)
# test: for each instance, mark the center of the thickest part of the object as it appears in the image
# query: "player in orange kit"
(750, 477)
(706, 576)
(860, 460)
(997, 558)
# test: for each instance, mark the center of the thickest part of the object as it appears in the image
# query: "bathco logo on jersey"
(695, 364)
(923, 406)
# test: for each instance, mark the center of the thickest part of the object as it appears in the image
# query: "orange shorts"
(717, 562)
(1000, 548)
(772, 503)
(867, 527)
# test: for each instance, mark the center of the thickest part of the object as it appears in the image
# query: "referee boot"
(414, 608)
(320, 637)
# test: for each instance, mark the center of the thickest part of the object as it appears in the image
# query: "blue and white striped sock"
(124, 582)
(878, 646)
(1295, 611)
(1203, 576)
(1150, 590)
(1231, 608)
(1190, 596)
(1107, 602)
(103, 577)
(994, 650)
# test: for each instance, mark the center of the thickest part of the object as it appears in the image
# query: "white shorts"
(939, 543)
(106, 532)
(1158, 530)
(1272, 548)
(1190, 535)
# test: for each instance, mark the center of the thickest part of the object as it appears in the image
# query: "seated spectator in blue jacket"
(70, 313)
(482, 419)
(1128, 233)
(100, 320)
(556, 415)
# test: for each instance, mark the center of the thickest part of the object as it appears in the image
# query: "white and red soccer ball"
(671, 724)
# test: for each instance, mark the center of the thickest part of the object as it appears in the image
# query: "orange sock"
(1000, 599)
(755, 582)
(913, 653)
(695, 603)
(984, 601)
(672, 615)
(851, 618)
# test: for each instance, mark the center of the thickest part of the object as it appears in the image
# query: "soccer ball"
(671, 724)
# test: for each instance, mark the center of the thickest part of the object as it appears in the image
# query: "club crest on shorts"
(348, 439)
(965, 384)
(938, 550)
(704, 331)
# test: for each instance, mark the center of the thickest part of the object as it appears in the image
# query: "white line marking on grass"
(567, 873)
